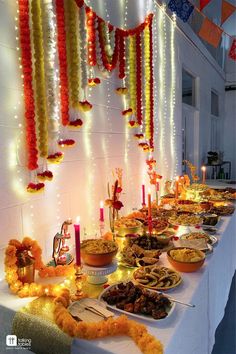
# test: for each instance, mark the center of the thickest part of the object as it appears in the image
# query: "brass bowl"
(95, 256)
(123, 231)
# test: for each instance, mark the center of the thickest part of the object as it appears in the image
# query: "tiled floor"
(226, 332)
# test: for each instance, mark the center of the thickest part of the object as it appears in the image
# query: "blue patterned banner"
(182, 8)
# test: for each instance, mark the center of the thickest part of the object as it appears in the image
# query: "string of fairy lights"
(164, 111)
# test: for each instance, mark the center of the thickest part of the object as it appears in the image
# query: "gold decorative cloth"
(35, 322)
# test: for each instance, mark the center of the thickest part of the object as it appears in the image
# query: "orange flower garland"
(121, 325)
(33, 289)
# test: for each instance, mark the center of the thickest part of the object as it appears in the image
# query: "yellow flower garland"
(39, 77)
(72, 51)
(147, 80)
(147, 343)
(132, 73)
(33, 289)
(121, 325)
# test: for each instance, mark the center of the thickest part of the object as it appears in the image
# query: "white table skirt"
(187, 330)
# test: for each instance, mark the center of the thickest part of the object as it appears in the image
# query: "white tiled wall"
(80, 182)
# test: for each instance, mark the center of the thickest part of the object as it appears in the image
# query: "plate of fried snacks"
(185, 220)
(137, 301)
(157, 277)
(136, 256)
(223, 210)
(198, 235)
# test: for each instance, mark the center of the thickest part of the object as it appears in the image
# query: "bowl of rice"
(98, 252)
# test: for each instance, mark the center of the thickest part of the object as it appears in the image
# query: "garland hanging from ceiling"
(76, 40)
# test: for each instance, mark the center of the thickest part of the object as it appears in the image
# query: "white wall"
(104, 142)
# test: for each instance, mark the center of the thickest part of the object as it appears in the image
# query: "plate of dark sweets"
(138, 302)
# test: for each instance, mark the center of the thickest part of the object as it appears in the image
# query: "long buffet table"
(187, 330)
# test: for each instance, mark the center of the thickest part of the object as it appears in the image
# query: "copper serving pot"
(26, 267)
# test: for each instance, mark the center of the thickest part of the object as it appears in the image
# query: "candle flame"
(177, 178)
(149, 190)
(101, 204)
(77, 220)
(203, 168)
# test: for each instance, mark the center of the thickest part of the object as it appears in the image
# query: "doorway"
(190, 136)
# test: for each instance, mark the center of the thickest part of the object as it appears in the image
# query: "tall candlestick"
(177, 188)
(157, 190)
(149, 211)
(77, 241)
(203, 174)
(101, 211)
(143, 195)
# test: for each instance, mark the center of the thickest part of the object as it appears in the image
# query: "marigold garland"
(24, 36)
(72, 51)
(132, 73)
(108, 64)
(39, 77)
(82, 46)
(49, 31)
(121, 325)
(139, 79)
(121, 56)
(91, 19)
(151, 141)
(33, 289)
(61, 46)
(147, 79)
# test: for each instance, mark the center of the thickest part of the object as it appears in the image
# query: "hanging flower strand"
(147, 75)
(121, 56)
(61, 46)
(91, 19)
(151, 141)
(24, 35)
(72, 51)
(132, 73)
(82, 48)
(49, 60)
(139, 78)
(39, 76)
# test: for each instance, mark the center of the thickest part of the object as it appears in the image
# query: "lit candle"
(149, 211)
(177, 188)
(101, 211)
(203, 174)
(143, 195)
(77, 241)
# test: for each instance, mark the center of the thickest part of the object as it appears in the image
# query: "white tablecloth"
(187, 330)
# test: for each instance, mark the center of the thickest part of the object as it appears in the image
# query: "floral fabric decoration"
(182, 8)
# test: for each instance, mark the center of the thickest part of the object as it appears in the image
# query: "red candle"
(101, 211)
(157, 186)
(143, 195)
(203, 174)
(177, 188)
(77, 241)
(149, 211)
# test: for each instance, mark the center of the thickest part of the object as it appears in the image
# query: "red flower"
(119, 190)
(117, 205)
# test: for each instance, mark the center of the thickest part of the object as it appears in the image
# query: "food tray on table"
(128, 296)
(157, 277)
(211, 240)
(186, 220)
